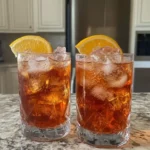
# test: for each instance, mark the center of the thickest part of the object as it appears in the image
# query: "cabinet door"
(11, 80)
(3, 15)
(143, 13)
(21, 15)
(51, 15)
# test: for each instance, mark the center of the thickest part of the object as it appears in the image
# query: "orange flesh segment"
(31, 43)
(87, 45)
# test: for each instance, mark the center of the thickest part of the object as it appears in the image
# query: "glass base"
(103, 140)
(49, 134)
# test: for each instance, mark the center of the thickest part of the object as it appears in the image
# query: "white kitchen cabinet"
(28, 16)
(139, 21)
(51, 15)
(143, 13)
(3, 15)
(21, 15)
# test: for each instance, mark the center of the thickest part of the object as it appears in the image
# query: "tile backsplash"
(56, 39)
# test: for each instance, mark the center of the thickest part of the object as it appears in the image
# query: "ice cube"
(25, 74)
(104, 50)
(85, 80)
(40, 58)
(117, 82)
(108, 68)
(52, 98)
(100, 57)
(39, 64)
(23, 65)
(109, 50)
(60, 54)
(94, 58)
(86, 74)
(107, 55)
(101, 93)
(115, 58)
(96, 51)
(33, 86)
(86, 66)
(23, 57)
(113, 54)
(60, 50)
(23, 69)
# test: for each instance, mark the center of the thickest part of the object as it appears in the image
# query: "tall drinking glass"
(103, 91)
(44, 88)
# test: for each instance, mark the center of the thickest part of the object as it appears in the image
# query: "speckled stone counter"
(11, 137)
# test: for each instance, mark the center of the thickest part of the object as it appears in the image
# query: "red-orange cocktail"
(104, 89)
(44, 88)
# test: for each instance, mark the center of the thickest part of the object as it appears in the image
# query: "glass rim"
(38, 54)
(124, 54)
(25, 56)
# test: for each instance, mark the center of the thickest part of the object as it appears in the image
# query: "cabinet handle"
(30, 27)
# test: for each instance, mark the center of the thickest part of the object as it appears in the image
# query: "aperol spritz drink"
(44, 88)
(104, 89)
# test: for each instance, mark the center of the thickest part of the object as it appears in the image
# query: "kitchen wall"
(56, 39)
(124, 11)
(118, 20)
(108, 17)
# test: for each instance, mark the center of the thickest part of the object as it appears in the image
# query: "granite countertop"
(11, 137)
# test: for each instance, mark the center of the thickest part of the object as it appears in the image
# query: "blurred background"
(66, 22)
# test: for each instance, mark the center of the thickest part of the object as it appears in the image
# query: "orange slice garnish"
(31, 43)
(87, 45)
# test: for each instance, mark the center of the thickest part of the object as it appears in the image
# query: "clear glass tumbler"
(44, 88)
(103, 96)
